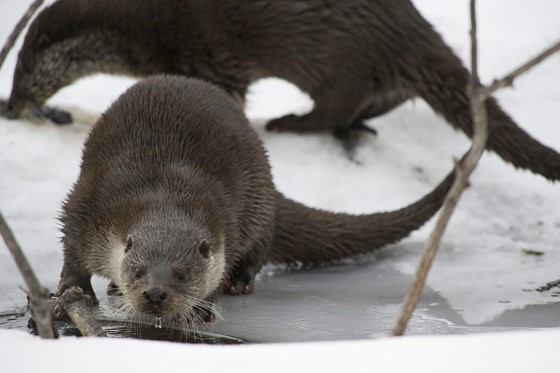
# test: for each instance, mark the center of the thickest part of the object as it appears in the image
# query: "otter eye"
(139, 272)
(180, 275)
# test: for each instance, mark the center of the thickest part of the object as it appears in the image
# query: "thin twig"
(507, 80)
(38, 294)
(18, 29)
(474, 79)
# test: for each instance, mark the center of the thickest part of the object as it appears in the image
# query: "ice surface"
(481, 281)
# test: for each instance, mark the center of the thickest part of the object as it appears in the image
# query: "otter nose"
(154, 296)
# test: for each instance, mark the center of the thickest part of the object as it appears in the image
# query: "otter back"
(357, 59)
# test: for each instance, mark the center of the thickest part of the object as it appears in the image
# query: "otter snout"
(154, 297)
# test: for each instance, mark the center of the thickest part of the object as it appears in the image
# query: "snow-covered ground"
(481, 280)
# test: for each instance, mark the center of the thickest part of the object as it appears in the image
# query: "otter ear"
(128, 243)
(204, 249)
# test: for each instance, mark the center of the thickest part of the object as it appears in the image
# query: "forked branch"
(478, 95)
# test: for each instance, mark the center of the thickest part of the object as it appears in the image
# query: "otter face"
(39, 74)
(44, 67)
(174, 278)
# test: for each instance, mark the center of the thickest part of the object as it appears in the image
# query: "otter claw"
(240, 288)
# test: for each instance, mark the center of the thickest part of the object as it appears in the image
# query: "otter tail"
(441, 80)
(311, 236)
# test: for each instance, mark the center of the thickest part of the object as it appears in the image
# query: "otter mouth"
(156, 313)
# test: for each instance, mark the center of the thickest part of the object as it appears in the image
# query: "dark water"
(120, 329)
(341, 302)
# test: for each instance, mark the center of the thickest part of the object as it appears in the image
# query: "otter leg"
(336, 104)
(71, 277)
(343, 116)
(385, 102)
(379, 105)
(242, 277)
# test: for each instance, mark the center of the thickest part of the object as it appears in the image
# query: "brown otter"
(175, 201)
(356, 58)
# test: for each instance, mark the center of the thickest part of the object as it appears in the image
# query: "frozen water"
(481, 281)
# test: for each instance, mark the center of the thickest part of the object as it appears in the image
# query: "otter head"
(61, 46)
(47, 62)
(171, 271)
(31, 87)
(45, 66)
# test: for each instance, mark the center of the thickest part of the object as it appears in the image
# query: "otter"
(175, 204)
(357, 59)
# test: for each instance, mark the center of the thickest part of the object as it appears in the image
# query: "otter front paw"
(241, 287)
(82, 282)
(242, 281)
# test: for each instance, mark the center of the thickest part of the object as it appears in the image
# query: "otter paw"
(240, 287)
(84, 283)
(89, 295)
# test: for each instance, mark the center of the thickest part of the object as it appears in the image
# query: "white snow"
(509, 352)
(478, 277)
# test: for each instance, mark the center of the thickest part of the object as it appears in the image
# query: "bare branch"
(462, 173)
(507, 80)
(474, 80)
(74, 305)
(18, 29)
(478, 95)
(38, 295)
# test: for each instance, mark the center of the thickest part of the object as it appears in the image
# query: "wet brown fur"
(173, 178)
(356, 58)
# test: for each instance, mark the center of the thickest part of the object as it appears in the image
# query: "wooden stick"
(73, 304)
(478, 95)
(507, 81)
(38, 295)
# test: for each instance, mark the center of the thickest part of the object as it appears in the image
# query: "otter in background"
(357, 59)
